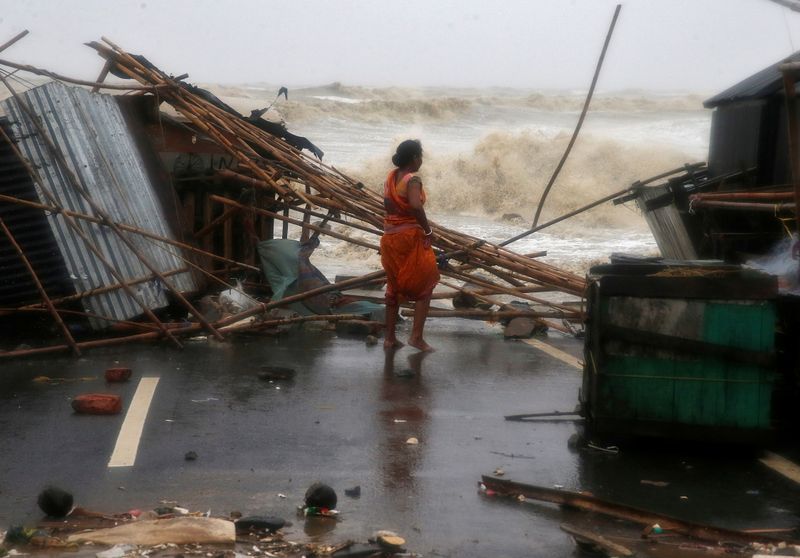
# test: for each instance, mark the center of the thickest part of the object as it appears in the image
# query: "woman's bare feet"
(420, 344)
(392, 344)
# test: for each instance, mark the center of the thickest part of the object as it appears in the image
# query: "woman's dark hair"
(406, 151)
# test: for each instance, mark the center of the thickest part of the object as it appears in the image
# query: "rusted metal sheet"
(89, 129)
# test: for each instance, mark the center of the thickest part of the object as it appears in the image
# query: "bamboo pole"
(103, 290)
(58, 77)
(580, 119)
(124, 227)
(139, 325)
(92, 247)
(13, 40)
(40, 288)
(235, 328)
(736, 196)
(491, 315)
(488, 284)
(773, 208)
(285, 219)
(227, 214)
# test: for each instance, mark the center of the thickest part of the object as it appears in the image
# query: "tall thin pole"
(580, 120)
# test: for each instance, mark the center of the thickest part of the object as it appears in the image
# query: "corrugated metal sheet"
(31, 231)
(90, 131)
(668, 228)
(761, 84)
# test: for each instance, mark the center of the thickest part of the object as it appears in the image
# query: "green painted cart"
(684, 352)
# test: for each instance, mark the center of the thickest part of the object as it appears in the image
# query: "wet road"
(345, 420)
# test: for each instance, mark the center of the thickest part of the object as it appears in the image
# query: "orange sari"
(411, 271)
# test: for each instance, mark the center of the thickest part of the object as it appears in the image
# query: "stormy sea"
(490, 152)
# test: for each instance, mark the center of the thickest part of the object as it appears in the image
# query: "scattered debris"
(320, 495)
(604, 449)
(190, 456)
(157, 264)
(412, 441)
(389, 540)
(659, 484)
(178, 530)
(276, 373)
(594, 542)
(259, 524)
(97, 404)
(354, 492)
(55, 502)
(499, 472)
(116, 551)
(645, 518)
(520, 328)
(118, 374)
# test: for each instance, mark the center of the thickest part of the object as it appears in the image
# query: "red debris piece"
(97, 404)
(118, 374)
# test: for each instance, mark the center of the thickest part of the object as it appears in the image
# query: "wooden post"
(789, 78)
(42, 292)
(102, 77)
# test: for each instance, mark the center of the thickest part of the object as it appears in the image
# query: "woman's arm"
(415, 201)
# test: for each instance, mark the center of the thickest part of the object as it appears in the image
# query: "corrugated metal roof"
(90, 131)
(762, 84)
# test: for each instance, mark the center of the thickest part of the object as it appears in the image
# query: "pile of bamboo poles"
(331, 189)
(304, 186)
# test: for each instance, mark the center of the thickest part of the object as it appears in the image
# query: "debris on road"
(55, 502)
(118, 374)
(595, 543)
(645, 518)
(178, 530)
(97, 404)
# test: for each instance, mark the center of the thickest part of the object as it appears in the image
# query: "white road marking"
(131, 432)
(782, 466)
(566, 358)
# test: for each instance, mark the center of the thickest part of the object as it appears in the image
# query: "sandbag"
(178, 530)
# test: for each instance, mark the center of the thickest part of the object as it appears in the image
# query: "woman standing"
(406, 252)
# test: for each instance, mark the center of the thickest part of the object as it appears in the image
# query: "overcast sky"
(701, 45)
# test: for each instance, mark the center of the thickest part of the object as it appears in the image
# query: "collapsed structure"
(116, 217)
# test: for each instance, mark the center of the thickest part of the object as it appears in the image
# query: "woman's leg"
(390, 338)
(416, 340)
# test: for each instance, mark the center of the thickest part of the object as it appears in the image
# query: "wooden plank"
(782, 466)
(564, 357)
(595, 541)
(621, 511)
